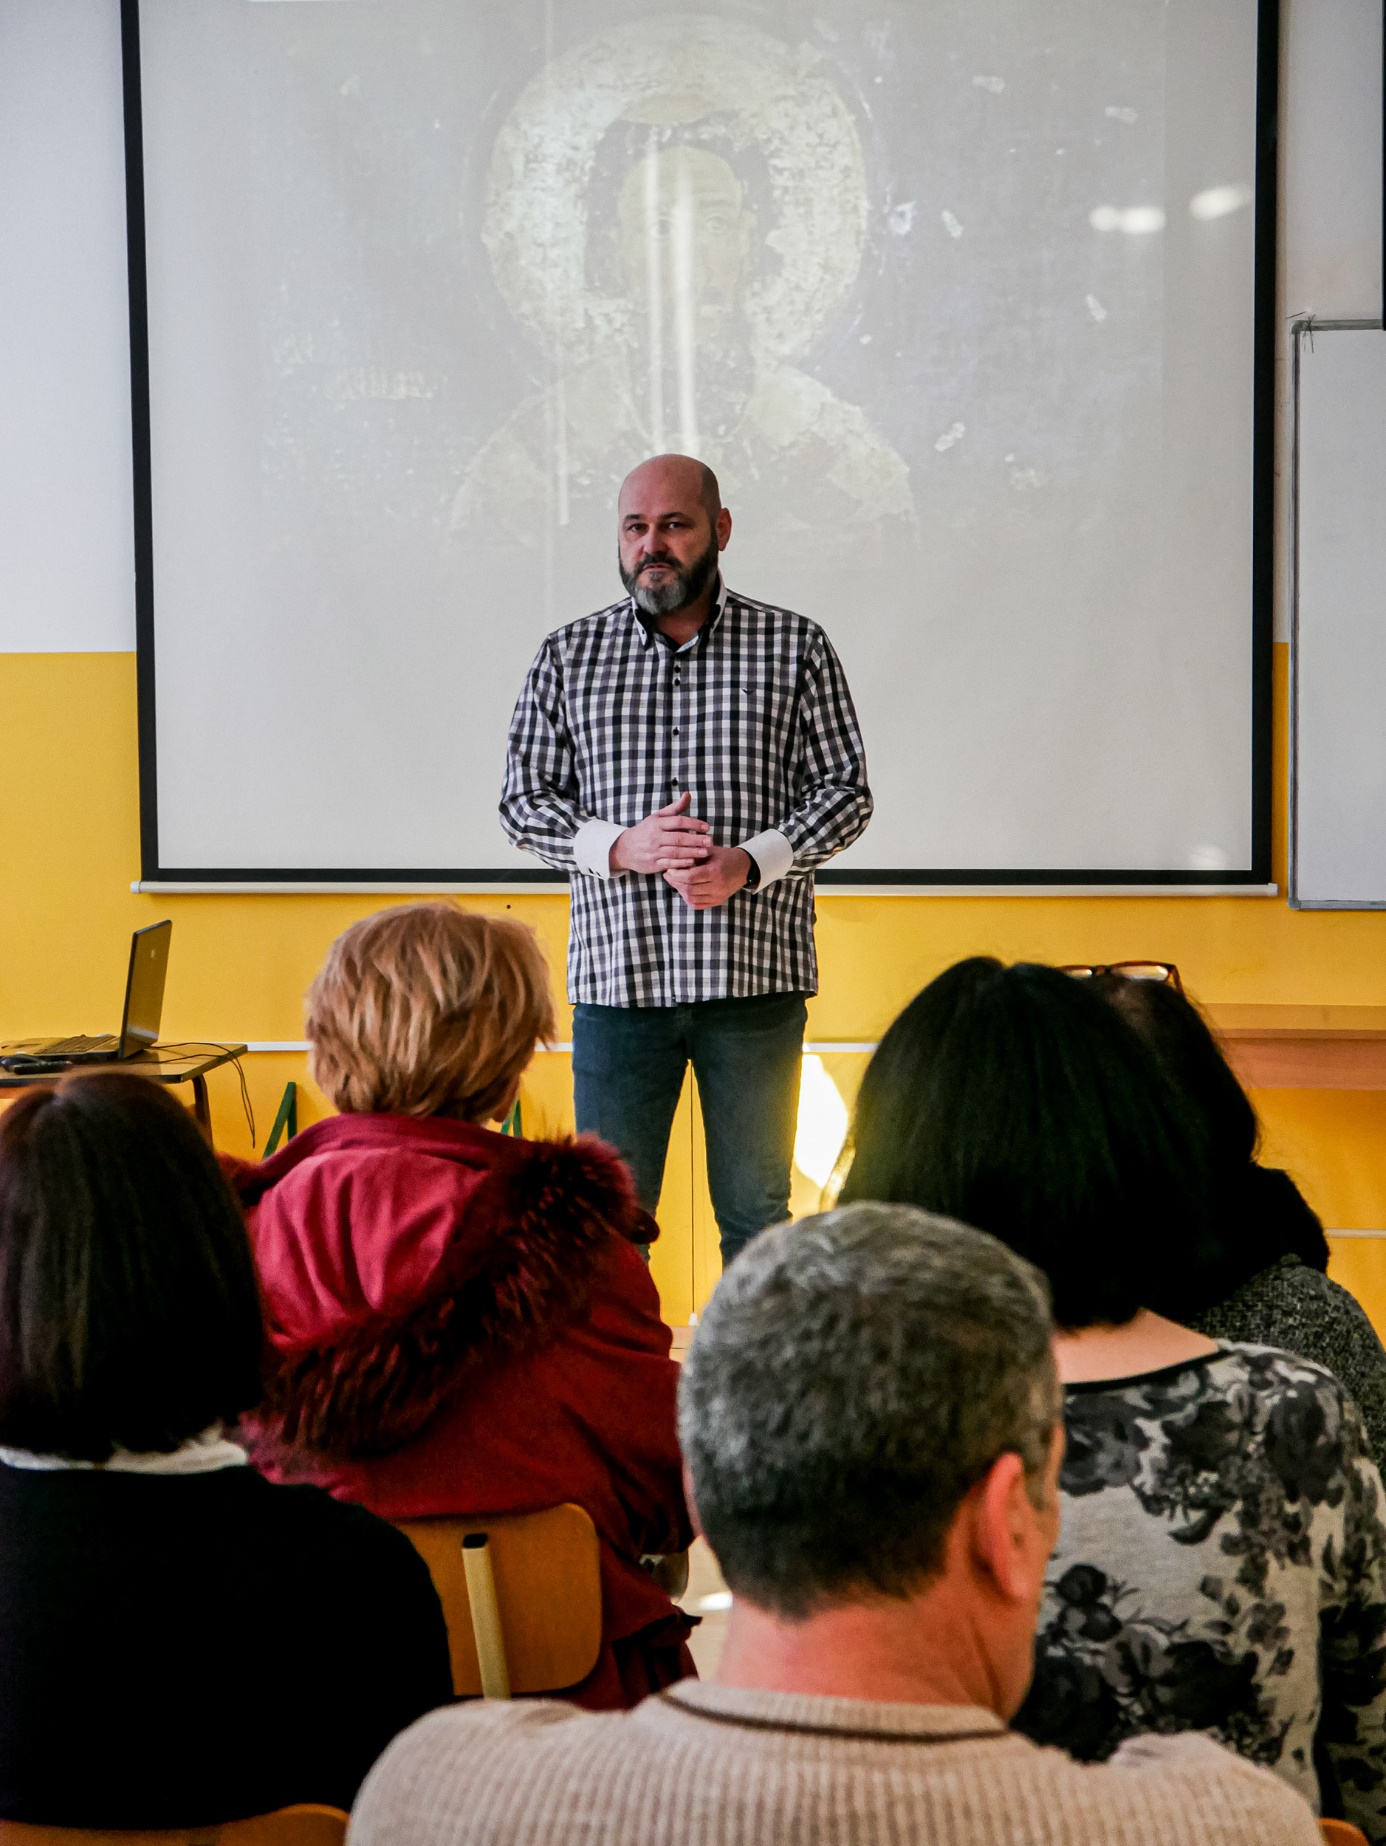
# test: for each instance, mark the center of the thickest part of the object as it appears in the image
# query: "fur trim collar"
(551, 1209)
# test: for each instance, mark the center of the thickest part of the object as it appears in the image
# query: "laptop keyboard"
(74, 1047)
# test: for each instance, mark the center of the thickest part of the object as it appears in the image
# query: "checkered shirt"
(754, 719)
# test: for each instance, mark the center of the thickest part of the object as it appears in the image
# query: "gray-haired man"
(871, 1421)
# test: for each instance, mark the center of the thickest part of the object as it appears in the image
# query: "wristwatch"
(753, 876)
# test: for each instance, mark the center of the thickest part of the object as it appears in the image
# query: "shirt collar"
(647, 634)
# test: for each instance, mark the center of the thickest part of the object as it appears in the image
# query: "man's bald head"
(673, 476)
(670, 526)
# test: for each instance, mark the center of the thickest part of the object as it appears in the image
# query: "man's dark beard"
(686, 585)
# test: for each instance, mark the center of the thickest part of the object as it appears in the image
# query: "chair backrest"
(547, 1588)
(1342, 1833)
(307, 1824)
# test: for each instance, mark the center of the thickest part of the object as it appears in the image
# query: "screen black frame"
(545, 878)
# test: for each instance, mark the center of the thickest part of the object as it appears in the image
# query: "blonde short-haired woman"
(462, 1320)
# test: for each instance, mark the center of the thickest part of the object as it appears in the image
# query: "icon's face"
(683, 233)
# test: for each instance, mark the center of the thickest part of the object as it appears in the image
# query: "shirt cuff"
(771, 851)
(592, 844)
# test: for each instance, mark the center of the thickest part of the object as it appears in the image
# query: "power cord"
(206, 1044)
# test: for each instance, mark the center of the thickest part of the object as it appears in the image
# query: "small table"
(160, 1065)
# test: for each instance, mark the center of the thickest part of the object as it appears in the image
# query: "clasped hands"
(676, 846)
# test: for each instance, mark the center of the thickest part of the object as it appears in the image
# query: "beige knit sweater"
(705, 1764)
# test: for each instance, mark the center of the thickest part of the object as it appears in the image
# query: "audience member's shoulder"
(471, 1773)
(568, 1193)
(1301, 1283)
(1281, 1383)
(337, 1529)
(434, 1770)
(1190, 1779)
(572, 1204)
(577, 1163)
(1272, 1371)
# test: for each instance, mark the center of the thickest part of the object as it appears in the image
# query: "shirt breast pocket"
(763, 729)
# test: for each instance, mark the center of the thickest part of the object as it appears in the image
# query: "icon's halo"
(671, 72)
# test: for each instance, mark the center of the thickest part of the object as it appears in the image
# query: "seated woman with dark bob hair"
(181, 1643)
(463, 1320)
(1265, 1279)
(1221, 1562)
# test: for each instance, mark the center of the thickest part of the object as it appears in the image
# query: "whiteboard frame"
(1304, 328)
(1255, 881)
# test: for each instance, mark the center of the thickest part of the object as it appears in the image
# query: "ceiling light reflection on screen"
(1220, 201)
(1134, 220)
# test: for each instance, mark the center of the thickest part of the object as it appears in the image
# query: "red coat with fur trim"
(463, 1325)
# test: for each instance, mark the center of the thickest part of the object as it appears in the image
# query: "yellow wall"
(69, 848)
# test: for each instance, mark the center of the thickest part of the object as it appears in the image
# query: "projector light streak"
(654, 293)
(683, 231)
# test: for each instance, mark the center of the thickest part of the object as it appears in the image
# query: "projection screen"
(968, 302)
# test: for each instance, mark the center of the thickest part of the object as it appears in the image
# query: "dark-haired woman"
(1221, 1564)
(1264, 1281)
(181, 1642)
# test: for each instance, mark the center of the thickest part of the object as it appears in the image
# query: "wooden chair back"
(1342, 1833)
(547, 1596)
(306, 1824)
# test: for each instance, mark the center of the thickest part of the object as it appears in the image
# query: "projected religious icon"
(675, 212)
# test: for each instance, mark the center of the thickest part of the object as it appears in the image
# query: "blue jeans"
(628, 1067)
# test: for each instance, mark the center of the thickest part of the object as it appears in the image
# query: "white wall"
(66, 548)
(1330, 173)
(66, 566)
(1329, 250)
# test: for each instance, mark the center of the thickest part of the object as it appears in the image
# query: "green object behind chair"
(286, 1121)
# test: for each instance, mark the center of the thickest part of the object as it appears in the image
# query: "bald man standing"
(689, 757)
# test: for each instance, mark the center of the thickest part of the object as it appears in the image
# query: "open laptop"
(139, 1024)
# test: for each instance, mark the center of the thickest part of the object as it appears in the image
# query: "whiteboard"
(1338, 798)
(969, 305)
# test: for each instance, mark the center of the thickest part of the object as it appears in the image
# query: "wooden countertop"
(1304, 1047)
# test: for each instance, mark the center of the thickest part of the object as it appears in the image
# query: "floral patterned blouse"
(1221, 1567)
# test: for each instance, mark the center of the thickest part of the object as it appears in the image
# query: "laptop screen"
(144, 990)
